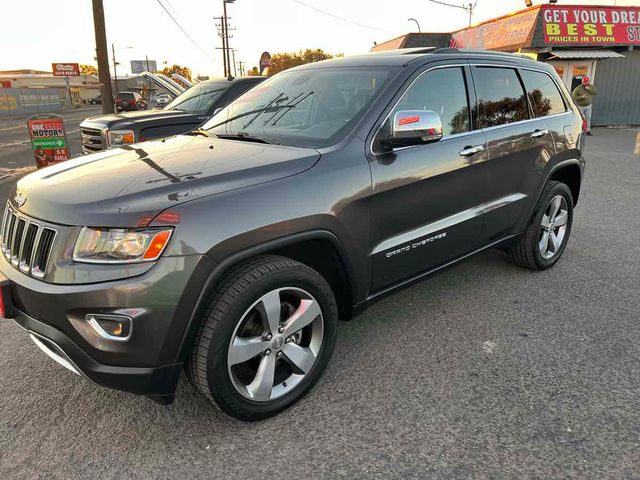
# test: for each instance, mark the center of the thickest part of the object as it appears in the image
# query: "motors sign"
(65, 69)
(48, 139)
(578, 25)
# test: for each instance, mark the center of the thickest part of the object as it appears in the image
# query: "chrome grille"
(26, 243)
(92, 140)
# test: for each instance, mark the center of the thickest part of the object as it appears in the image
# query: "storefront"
(598, 41)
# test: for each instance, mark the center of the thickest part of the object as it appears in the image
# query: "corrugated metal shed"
(617, 81)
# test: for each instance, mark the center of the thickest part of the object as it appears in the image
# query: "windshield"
(314, 107)
(199, 98)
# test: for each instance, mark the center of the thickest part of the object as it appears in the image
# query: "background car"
(130, 101)
(162, 100)
(97, 100)
(186, 112)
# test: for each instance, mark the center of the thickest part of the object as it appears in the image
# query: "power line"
(184, 31)
(324, 12)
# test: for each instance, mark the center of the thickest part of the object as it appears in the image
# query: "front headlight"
(121, 137)
(118, 245)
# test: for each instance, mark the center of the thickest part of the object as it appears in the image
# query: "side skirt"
(381, 294)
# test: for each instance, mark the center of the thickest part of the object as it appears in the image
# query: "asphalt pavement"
(485, 371)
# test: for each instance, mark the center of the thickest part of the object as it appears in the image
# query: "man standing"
(583, 96)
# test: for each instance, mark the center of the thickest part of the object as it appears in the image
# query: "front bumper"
(160, 303)
(151, 381)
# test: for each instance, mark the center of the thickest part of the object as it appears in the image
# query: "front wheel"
(265, 339)
(547, 235)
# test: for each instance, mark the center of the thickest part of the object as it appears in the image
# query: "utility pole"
(225, 29)
(470, 7)
(115, 68)
(233, 53)
(221, 34)
(102, 56)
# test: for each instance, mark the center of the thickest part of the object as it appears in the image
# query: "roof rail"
(475, 50)
(417, 50)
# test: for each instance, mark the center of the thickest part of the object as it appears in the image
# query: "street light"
(115, 70)
(414, 20)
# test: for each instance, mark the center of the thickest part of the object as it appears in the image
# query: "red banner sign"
(48, 140)
(505, 33)
(578, 25)
(65, 69)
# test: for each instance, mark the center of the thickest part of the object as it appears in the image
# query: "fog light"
(111, 327)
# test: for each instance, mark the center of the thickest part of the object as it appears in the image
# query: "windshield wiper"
(245, 137)
(199, 131)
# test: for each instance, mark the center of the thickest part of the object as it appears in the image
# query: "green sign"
(48, 142)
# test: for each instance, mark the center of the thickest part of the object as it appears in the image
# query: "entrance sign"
(578, 25)
(48, 139)
(65, 69)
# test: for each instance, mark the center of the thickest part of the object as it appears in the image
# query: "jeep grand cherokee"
(232, 251)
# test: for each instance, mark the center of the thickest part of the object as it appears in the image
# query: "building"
(599, 41)
(86, 86)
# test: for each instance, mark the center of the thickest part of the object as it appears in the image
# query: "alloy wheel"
(553, 227)
(275, 344)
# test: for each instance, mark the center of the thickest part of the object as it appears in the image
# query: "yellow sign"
(8, 102)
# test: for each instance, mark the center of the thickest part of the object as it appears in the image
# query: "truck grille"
(25, 243)
(92, 140)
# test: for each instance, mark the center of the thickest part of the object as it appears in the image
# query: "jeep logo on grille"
(20, 199)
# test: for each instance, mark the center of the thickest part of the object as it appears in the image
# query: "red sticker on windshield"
(407, 120)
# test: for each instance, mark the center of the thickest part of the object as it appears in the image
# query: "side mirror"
(413, 127)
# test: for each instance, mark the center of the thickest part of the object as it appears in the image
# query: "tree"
(88, 70)
(179, 69)
(283, 61)
(254, 72)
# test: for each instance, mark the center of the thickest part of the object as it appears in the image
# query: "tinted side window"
(501, 98)
(443, 91)
(543, 93)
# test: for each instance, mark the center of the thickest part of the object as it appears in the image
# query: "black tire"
(207, 367)
(525, 252)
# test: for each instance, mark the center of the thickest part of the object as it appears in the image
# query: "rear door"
(519, 147)
(428, 199)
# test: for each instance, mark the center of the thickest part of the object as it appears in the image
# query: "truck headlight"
(118, 245)
(121, 137)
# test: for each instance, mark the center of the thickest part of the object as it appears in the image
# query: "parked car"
(235, 249)
(130, 101)
(187, 111)
(97, 100)
(162, 100)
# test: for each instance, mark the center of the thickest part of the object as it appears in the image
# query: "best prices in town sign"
(581, 25)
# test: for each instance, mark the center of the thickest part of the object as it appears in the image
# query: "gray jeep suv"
(232, 251)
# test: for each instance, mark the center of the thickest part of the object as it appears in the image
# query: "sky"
(35, 33)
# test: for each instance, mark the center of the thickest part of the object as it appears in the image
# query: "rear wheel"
(265, 339)
(547, 235)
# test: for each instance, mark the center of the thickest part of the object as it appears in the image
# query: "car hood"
(124, 120)
(119, 187)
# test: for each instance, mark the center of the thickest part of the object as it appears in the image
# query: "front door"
(572, 71)
(428, 199)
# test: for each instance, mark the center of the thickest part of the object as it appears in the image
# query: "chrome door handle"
(468, 151)
(540, 133)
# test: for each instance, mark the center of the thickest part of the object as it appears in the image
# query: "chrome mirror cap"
(413, 127)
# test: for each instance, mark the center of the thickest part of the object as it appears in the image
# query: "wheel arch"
(319, 249)
(569, 173)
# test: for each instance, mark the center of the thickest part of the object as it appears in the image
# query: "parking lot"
(485, 371)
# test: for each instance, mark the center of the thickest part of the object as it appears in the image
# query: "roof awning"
(596, 53)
